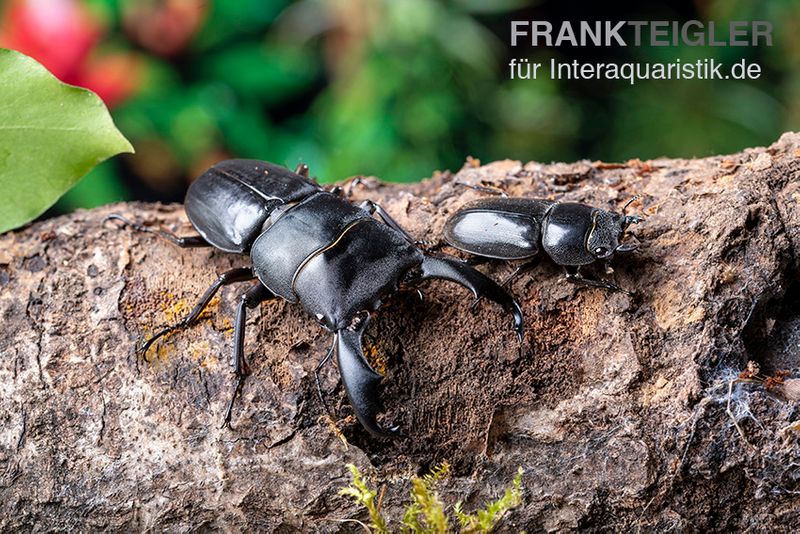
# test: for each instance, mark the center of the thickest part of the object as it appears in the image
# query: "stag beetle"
(313, 247)
(573, 235)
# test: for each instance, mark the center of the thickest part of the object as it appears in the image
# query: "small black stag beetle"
(573, 235)
(312, 246)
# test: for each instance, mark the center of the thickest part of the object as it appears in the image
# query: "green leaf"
(51, 134)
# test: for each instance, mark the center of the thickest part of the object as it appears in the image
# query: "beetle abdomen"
(229, 203)
(302, 231)
(494, 231)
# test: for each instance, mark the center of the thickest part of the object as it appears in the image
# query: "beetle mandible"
(313, 247)
(573, 235)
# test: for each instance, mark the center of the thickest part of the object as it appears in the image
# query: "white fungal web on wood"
(730, 388)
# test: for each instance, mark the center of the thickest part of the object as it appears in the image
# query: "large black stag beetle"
(312, 246)
(573, 235)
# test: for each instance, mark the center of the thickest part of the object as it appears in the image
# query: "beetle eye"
(600, 251)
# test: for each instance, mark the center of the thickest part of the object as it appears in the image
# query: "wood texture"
(617, 408)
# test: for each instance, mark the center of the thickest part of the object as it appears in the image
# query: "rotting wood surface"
(617, 409)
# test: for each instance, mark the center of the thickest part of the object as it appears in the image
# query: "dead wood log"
(618, 409)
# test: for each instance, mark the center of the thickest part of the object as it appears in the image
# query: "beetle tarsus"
(192, 241)
(524, 268)
(239, 274)
(229, 410)
(357, 181)
(574, 276)
(427, 246)
(480, 285)
(302, 169)
(337, 190)
(149, 342)
(319, 367)
(489, 189)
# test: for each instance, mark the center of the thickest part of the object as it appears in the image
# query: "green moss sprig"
(426, 513)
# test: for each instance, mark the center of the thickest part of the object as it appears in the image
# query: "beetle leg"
(228, 277)
(574, 276)
(358, 180)
(361, 382)
(480, 285)
(524, 268)
(249, 299)
(373, 207)
(472, 261)
(192, 241)
(490, 189)
(319, 367)
(302, 170)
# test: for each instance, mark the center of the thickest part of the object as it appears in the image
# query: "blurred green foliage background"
(392, 88)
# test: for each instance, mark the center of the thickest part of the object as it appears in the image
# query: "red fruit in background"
(164, 27)
(57, 33)
(114, 77)
(63, 35)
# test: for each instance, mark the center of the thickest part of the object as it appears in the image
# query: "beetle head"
(608, 231)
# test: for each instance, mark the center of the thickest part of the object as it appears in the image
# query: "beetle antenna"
(628, 203)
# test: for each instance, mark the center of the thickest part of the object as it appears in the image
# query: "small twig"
(381, 494)
(641, 515)
(730, 413)
(698, 413)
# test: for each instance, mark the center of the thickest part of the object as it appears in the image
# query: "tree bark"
(618, 407)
